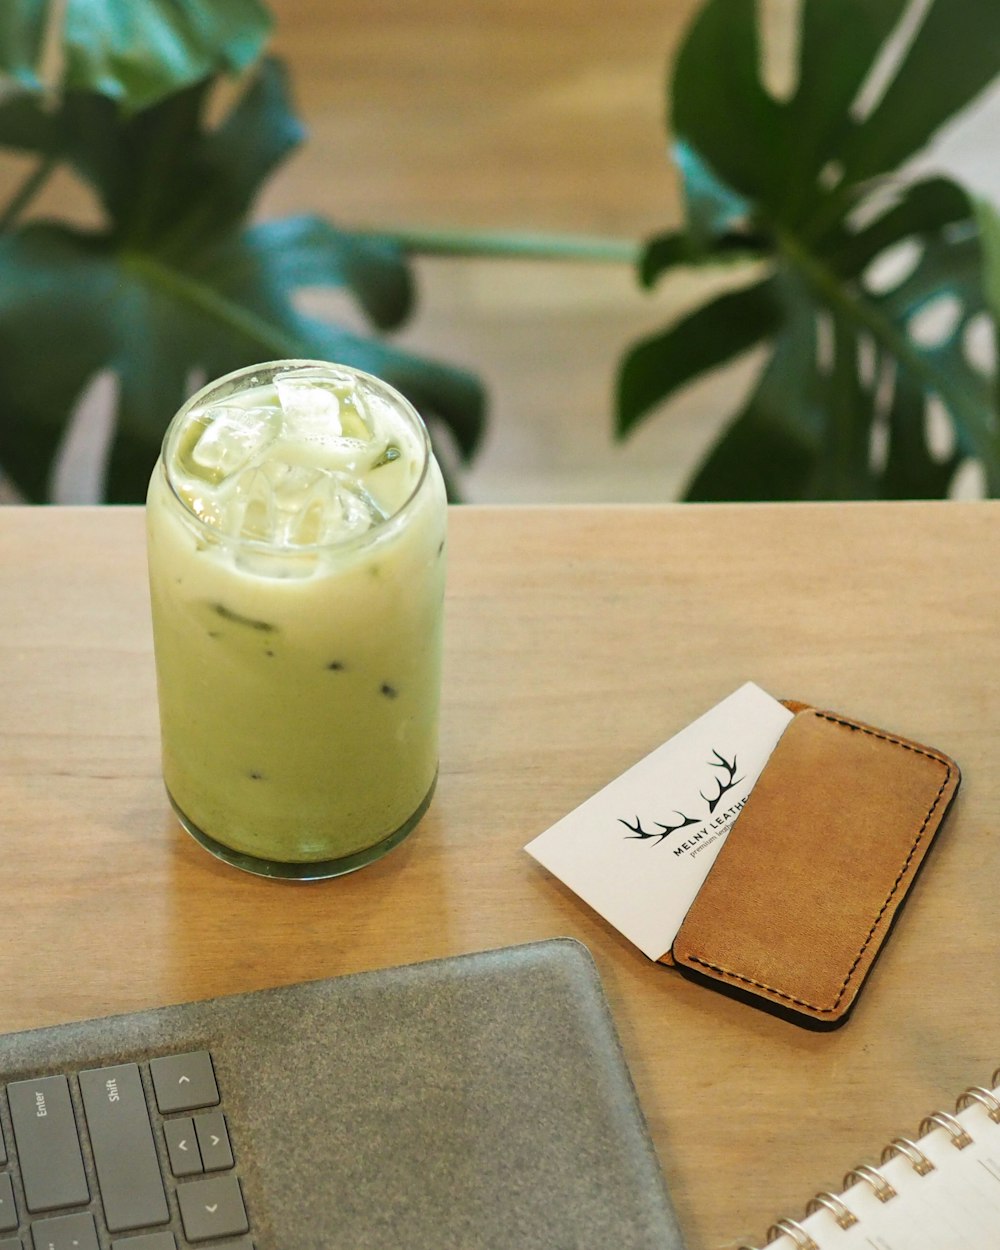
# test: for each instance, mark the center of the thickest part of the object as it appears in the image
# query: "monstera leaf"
(133, 51)
(180, 284)
(989, 223)
(865, 288)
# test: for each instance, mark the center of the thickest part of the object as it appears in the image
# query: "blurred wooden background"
(536, 118)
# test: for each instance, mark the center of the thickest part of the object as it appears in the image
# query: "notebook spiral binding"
(835, 1204)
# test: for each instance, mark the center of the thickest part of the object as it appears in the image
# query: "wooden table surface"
(577, 640)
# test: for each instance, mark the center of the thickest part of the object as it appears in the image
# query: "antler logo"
(723, 783)
(731, 779)
(639, 832)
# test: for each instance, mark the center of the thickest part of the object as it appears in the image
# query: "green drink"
(296, 532)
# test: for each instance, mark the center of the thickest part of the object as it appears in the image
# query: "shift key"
(128, 1173)
(47, 1143)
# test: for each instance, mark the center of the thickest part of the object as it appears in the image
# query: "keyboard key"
(182, 1147)
(184, 1082)
(8, 1212)
(128, 1173)
(47, 1144)
(213, 1140)
(212, 1208)
(14, 1243)
(150, 1241)
(65, 1232)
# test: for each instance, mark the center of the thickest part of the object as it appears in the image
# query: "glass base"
(304, 870)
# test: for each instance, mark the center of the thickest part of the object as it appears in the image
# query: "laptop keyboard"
(80, 1162)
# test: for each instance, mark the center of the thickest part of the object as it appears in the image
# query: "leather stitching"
(907, 746)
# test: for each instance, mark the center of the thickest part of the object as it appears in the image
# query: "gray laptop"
(476, 1101)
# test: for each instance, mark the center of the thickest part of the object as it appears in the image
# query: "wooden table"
(577, 640)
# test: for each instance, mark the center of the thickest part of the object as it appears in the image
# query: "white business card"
(639, 850)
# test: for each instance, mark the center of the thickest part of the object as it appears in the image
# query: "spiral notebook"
(939, 1190)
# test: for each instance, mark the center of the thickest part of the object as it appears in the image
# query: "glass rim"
(269, 370)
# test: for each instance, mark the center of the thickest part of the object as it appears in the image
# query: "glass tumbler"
(296, 525)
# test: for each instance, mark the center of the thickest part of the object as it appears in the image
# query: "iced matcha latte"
(296, 531)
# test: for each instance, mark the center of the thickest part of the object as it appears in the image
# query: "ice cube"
(350, 510)
(292, 508)
(273, 502)
(307, 404)
(356, 415)
(318, 506)
(328, 424)
(249, 508)
(299, 493)
(291, 482)
(232, 438)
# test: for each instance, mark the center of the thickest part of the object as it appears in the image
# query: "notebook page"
(954, 1207)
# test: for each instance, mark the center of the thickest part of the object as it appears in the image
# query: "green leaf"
(48, 287)
(162, 175)
(28, 127)
(840, 412)
(988, 217)
(297, 252)
(179, 285)
(714, 210)
(135, 52)
(708, 100)
(768, 453)
(139, 53)
(956, 48)
(757, 460)
(665, 252)
(989, 225)
(912, 470)
(677, 247)
(839, 43)
(655, 368)
(926, 207)
(22, 30)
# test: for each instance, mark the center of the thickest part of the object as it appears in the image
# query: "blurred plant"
(176, 282)
(866, 288)
(989, 225)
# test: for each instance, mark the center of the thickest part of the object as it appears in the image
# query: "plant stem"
(26, 192)
(527, 246)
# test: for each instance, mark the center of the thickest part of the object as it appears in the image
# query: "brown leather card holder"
(807, 887)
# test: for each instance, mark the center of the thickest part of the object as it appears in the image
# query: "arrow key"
(183, 1082)
(182, 1147)
(212, 1208)
(213, 1141)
